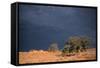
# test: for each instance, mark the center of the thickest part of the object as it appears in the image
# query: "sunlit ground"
(40, 56)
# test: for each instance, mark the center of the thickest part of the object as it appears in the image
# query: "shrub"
(53, 47)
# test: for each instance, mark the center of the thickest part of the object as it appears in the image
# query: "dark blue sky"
(39, 26)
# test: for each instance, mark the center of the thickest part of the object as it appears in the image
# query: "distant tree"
(85, 42)
(76, 44)
(67, 49)
(53, 47)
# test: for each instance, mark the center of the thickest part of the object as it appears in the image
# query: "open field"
(40, 56)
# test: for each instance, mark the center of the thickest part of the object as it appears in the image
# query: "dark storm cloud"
(41, 25)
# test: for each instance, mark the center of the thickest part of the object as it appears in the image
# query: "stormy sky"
(40, 25)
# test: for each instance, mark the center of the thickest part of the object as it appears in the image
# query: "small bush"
(53, 47)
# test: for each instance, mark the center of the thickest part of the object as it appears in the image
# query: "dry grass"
(40, 56)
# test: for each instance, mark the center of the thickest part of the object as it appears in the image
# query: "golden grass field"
(41, 56)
